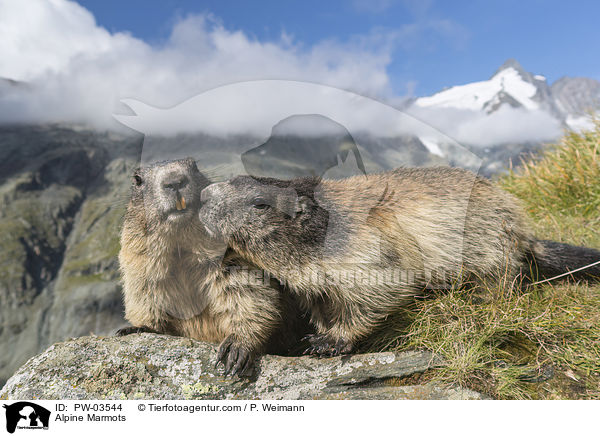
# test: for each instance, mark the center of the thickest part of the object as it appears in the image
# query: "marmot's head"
(167, 194)
(263, 216)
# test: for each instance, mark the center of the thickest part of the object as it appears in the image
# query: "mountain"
(567, 100)
(63, 191)
(10, 84)
(513, 113)
(575, 97)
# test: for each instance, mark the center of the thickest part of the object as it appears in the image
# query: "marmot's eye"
(260, 203)
(137, 180)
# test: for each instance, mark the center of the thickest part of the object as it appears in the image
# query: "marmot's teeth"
(180, 202)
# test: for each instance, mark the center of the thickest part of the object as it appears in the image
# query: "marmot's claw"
(244, 359)
(133, 329)
(223, 349)
(324, 346)
(237, 359)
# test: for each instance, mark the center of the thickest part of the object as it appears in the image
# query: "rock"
(148, 366)
(62, 196)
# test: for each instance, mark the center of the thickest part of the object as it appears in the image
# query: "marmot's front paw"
(237, 358)
(324, 346)
(133, 329)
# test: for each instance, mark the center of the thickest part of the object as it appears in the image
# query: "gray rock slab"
(148, 366)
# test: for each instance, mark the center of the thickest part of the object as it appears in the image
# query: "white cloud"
(506, 125)
(78, 71)
(43, 36)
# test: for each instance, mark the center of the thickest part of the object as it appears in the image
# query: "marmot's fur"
(177, 282)
(356, 249)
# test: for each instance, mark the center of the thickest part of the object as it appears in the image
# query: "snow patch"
(475, 96)
(579, 124)
(431, 145)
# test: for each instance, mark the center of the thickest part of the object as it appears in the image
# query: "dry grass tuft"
(540, 343)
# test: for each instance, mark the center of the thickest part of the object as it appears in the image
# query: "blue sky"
(432, 44)
(81, 59)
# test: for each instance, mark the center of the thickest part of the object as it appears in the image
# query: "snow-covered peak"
(512, 64)
(512, 112)
(509, 85)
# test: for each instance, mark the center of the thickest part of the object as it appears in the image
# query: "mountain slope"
(506, 86)
(509, 115)
(567, 98)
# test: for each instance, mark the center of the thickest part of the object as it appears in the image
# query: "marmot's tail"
(554, 258)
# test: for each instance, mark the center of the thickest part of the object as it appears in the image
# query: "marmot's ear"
(137, 179)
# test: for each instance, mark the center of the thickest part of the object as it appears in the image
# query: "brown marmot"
(356, 249)
(176, 281)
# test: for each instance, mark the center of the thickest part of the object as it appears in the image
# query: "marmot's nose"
(174, 181)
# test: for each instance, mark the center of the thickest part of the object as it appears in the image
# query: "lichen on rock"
(149, 366)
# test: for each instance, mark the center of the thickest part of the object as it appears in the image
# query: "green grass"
(543, 343)
(561, 190)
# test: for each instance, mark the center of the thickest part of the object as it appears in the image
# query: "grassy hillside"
(561, 191)
(540, 343)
